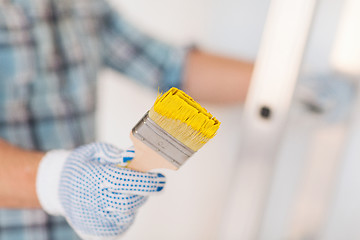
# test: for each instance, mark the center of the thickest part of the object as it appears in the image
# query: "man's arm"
(216, 79)
(206, 77)
(18, 170)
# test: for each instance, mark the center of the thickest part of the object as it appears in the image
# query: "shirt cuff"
(174, 69)
(48, 179)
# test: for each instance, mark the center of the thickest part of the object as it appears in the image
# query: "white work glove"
(329, 95)
(98, 198)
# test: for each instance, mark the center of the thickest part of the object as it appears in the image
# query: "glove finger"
(127, 155)
(107, 153)
(132, 182)
(105, 227)
(122, 220)
(122, 203)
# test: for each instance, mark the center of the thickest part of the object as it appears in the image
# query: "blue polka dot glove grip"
(86, 186)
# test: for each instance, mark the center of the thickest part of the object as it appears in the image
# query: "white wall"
(191, 205)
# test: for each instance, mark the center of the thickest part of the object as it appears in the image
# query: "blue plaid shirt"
(50, 54)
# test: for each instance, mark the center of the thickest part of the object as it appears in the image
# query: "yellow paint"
(182, 117)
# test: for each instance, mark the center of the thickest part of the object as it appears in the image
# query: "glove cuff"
(48, 179)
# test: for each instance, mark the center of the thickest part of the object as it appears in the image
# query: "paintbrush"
(171, 132)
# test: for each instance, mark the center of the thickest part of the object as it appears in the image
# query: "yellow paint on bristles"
(183, 118)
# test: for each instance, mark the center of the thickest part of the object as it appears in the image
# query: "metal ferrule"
(162, 142)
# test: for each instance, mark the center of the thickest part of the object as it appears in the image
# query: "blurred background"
(307, 186)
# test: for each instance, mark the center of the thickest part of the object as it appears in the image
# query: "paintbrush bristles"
(183, 118)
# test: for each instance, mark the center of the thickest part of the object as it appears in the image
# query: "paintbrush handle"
(147, 159)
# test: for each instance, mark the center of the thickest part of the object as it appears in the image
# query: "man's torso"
(49, 58)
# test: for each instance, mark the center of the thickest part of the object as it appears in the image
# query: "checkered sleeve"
(139, 56)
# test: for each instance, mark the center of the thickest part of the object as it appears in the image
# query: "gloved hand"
(330, 95)
(98, 198)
